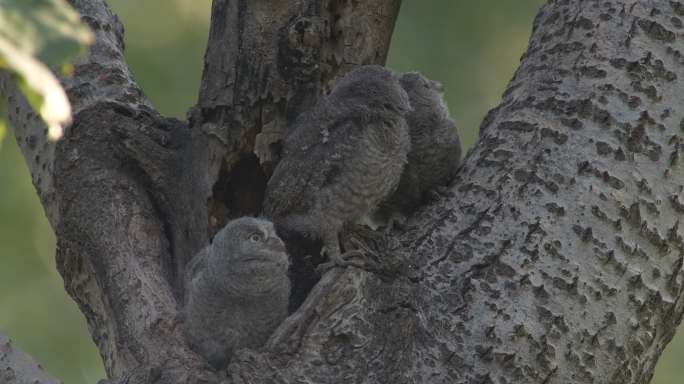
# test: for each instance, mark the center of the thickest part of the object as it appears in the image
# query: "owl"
(435, 148)
(237, 290)
(341, 158)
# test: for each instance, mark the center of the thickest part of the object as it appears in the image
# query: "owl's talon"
(437, 193)
(395, 221)
(344, 260)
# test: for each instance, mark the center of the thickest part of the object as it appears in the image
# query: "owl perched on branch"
(341, 158)
(435, 148)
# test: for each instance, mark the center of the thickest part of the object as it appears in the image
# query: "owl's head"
(373, 87)
(424, 94)
(246, 251)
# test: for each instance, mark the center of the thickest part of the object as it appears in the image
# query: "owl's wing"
(342, 142)
(311, 161)
(193, 269)
(286, 188)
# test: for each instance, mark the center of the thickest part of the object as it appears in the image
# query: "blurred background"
(472, 47)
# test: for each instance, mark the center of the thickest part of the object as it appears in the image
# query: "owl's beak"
(276, 244)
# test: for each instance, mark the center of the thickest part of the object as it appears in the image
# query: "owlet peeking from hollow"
(237, 290)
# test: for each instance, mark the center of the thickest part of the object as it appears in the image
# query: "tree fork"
(556, 256)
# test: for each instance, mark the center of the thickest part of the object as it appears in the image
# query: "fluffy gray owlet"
(237, 290)
(435, 146)
(341, 158)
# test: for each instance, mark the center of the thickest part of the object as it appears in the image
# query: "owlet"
(341, 158)
(237, 290)
(435, 147)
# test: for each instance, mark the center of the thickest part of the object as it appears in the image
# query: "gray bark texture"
(17, 367)
(555, 257)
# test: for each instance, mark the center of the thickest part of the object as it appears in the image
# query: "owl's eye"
(255, 237)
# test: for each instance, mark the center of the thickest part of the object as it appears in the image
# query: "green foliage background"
(472, 47)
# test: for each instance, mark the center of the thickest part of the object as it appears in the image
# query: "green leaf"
(36, 35)
(3, 122)
(49, 30)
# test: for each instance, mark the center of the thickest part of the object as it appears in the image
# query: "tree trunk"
(555, 257)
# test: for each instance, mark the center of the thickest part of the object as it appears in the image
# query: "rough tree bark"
(17, 367)
(555, 257)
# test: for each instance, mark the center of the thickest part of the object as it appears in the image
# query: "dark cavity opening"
(238, 192)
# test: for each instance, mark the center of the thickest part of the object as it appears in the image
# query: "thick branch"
(265, 63)
(18, 368)
(558, 256)
(557, 252)
(100, 77)
(108, 188)
(128, 189)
